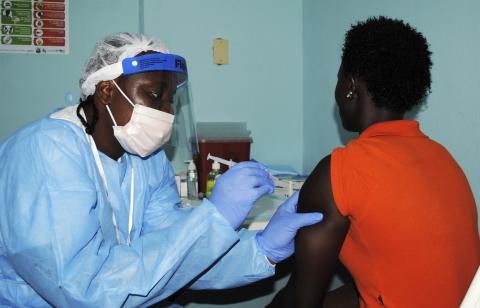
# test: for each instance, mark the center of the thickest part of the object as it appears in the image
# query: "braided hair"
(89, 127)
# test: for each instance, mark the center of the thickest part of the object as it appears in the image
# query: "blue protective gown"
(58, 245)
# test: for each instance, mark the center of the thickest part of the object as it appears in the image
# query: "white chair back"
(472, 298)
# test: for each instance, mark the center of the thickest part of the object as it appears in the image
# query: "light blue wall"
(262, 84)
(452, 114)
(33, 85)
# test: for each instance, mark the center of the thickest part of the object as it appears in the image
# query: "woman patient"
(399, 212)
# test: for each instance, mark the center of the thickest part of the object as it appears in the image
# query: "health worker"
(89, 209)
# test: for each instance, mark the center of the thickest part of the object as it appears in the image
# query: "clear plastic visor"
(184, 137)
(183, 144)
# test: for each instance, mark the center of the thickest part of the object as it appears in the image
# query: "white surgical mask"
(147, 130)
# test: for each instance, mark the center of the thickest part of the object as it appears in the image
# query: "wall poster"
(34, 26)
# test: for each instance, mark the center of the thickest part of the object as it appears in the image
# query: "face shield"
(184, 136)
(183, 143)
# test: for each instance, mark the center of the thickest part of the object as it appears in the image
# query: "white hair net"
(110, 51)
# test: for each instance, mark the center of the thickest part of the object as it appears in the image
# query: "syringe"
(283, 188)
(228, 163)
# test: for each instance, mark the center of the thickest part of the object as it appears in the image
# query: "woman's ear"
(352, 87)
(104, 91)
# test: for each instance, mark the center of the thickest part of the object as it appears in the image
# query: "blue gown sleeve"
(163, 208)
(52, 235)
(244, 264)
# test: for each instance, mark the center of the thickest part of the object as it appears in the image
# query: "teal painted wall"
(288, 108)
(34, 85)
(262, 84)
(452, 113)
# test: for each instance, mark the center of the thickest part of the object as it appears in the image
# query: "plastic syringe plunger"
(220, 160)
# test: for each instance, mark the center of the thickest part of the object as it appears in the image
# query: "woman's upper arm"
(317, 246)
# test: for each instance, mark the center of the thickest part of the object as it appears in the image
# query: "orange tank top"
(413, 239)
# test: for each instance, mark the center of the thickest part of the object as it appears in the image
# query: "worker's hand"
(277, 240)
(236, 191)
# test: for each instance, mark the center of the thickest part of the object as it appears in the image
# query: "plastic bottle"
(212, 176)
(192, 181)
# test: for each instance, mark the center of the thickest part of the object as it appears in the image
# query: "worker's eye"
(154, 95)
(157, 92)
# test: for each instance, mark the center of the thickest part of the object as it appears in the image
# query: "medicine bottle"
(192, 181)
(212, 176)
